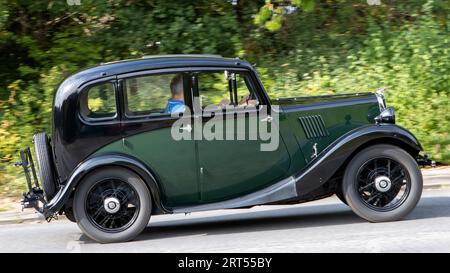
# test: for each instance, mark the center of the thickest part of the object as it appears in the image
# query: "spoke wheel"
(112, 205)
(383, 184)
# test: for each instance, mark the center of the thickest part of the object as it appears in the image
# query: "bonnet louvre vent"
(314, 126)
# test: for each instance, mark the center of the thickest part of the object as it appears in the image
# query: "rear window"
(99, 102)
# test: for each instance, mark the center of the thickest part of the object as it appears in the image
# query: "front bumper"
(424, 160)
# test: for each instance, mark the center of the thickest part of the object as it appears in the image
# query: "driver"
(176, 103)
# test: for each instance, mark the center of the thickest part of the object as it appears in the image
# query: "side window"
(244, 94)
(219, 89)
(99, 101)
(213, 89)
(154, 95)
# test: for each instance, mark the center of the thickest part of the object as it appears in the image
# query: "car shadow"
(282, 219)
(279, 218)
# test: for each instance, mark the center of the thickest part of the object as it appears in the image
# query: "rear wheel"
(112, 205)
(382, 183)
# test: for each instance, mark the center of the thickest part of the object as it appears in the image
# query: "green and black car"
(115, 156)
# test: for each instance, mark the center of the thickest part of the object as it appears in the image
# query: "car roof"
(73, 82)
(158, 62)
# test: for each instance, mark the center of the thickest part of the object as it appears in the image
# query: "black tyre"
(44, 161)
(112, 204)
(382, 183)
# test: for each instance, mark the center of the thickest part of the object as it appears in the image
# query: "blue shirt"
(174, 106)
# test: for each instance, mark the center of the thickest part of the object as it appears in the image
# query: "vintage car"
(113, 158)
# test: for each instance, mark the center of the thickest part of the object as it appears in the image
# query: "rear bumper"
(34, 198)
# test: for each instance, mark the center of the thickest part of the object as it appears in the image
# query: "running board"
(283, 190)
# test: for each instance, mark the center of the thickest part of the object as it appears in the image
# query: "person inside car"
(176, 103)
(245, 101)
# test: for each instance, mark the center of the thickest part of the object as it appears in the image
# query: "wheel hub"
(111, 205)
(383, 183)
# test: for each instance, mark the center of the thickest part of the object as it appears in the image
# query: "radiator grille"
(314, 126)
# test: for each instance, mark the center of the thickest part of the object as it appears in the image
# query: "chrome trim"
(111, 205)
(181, 56)
(381, 99)
(282, 190)
(382, 183)
(386, 116)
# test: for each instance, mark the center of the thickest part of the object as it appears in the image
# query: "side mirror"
(386, 116)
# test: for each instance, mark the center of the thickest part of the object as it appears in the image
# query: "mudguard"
(307, 183)
(64, 193)
(340, 151)
(295, 187)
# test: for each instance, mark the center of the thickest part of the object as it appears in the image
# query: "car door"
(148, 99)
(229, 106)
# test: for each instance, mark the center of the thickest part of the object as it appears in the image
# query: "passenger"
(245, 101)
(176, 103)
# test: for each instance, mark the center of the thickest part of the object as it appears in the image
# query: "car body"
(319, 137)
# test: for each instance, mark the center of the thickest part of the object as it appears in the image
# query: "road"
(321, 226)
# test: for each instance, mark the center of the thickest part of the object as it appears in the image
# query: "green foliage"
(301, 47)
(272, 14)
(412, 62)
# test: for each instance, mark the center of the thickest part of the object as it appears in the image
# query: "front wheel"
(382, 183)
(112, 205)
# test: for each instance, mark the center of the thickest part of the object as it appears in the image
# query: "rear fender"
(64, 193)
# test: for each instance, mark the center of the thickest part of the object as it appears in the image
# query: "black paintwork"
(74, 139)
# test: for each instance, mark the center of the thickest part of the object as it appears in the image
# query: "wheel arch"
(331, 164)
(413, 151)
(101, 161)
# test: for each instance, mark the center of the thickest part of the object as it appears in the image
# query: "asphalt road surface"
(321, 226)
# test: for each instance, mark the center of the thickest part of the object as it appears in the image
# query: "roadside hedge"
(315, 47)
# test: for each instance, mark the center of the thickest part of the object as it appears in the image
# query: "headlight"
(386, 116)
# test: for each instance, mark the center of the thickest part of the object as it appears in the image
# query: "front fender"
(340, 151)
(64, 193)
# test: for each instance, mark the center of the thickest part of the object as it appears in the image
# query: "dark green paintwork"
(234, 168)
(341, 114)
(173, 163)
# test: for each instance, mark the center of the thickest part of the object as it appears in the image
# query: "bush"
(326, 47)
(413, 64)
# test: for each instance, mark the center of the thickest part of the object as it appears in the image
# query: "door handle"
(267, 119)
(186, 128)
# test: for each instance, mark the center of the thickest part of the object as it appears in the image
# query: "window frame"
(251, 85)
(82, 99)
(149, 117)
